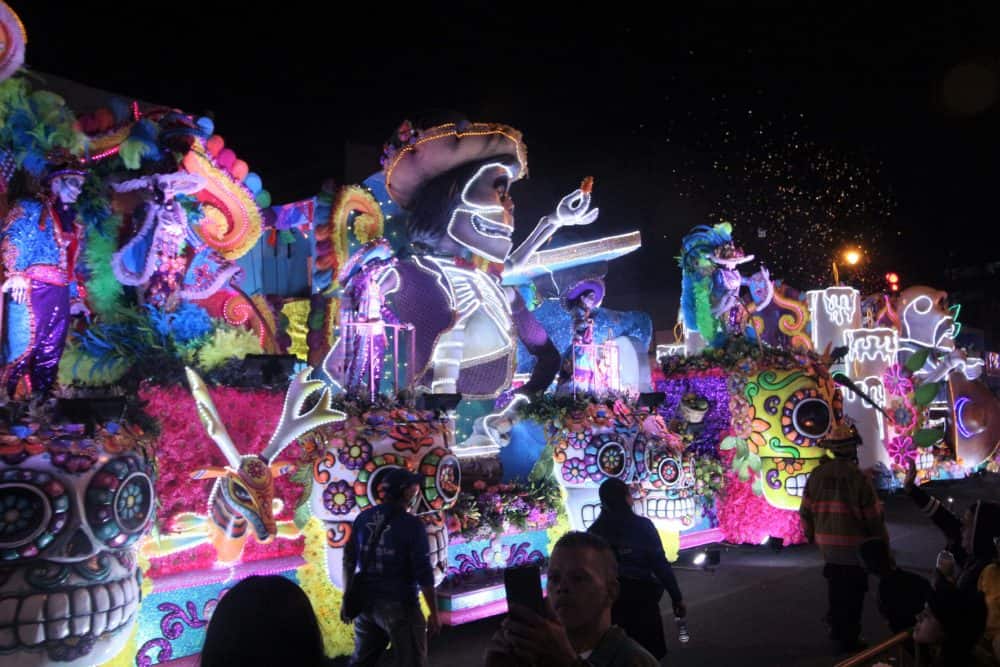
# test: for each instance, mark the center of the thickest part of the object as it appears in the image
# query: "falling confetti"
(795, 203)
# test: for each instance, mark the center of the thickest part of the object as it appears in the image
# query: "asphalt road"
(762, 607)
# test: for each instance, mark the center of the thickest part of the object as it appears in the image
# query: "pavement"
(761, 606)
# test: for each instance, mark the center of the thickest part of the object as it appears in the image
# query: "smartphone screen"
(524, 587)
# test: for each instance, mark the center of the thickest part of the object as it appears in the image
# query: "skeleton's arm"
(573, 209)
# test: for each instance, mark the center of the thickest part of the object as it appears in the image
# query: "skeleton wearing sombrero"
(454, 181)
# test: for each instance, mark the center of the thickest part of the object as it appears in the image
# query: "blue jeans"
(399, 624)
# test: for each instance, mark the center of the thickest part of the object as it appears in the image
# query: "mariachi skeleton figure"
(166, 259)
(356, 360)
(454, 181)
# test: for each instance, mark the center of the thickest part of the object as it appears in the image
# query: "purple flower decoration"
(338, 497)
(579, 439)
(574, 470)
(356, 454)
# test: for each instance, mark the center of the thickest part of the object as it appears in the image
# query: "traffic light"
(893, 280)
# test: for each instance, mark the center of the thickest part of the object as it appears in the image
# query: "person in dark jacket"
(399, 567)
(902, 595)
(643, 569)
(969, 547)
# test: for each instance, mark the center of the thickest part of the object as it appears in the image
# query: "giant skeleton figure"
(454, 180)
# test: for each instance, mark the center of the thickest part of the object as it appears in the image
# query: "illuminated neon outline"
(474, 211)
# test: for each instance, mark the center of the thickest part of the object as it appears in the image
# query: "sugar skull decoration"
(602, 442)
(779, 418)
(242, 497)
(356, 454)
(74, 505)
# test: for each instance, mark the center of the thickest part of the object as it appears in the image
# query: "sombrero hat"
(377, 249)
(415, 156)
(595, 285)
(729, 255)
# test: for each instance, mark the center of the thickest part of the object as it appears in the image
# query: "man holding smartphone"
(391, 545)
(574, 627)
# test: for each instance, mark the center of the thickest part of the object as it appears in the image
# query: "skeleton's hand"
(573, 209)
(18, 287)
(78, 307)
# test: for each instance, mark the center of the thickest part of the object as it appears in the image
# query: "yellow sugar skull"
(783, 415)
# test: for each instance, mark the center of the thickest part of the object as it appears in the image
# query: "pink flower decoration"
(901, 450)
(896, 381)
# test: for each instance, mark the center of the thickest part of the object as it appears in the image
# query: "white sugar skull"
(358, 452)
(606, 442)
(73, 508)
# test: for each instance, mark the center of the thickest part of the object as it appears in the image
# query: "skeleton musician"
(457, 285)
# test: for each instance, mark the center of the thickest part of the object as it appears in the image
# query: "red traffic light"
(893, 278)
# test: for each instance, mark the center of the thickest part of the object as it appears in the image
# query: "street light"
(852, 256)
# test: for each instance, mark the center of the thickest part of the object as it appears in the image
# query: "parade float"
(202, 385)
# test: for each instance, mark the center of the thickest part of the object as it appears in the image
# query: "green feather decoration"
(104, 293)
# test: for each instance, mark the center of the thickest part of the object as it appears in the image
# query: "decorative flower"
(115, 439)
(577, 420)
(74, 456)
(901, 450)
(903, 416)
(758, 428)
(559, 448)
(411, 436)
(578, 439)
(19, 444)
(131, 505)
(897, 381)
(601, 415)
(338, 497)
(356, 454)
(574, 470)
(791, 466)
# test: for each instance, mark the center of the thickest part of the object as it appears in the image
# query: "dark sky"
(884, 128)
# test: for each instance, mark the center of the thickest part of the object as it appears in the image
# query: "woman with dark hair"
(266, 621)
(643, 569)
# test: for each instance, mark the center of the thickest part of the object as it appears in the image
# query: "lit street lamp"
(852, 257)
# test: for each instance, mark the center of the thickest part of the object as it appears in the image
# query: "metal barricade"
(891, 652)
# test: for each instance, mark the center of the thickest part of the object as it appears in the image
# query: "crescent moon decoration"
(232, 221)
(13, 39)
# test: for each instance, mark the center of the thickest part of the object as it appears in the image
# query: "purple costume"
(40, 241)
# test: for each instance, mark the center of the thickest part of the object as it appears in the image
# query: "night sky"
(807, 130)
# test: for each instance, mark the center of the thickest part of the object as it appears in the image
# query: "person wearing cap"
(395, 568)
(948, 631)
(40, 244)
(839, 511)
